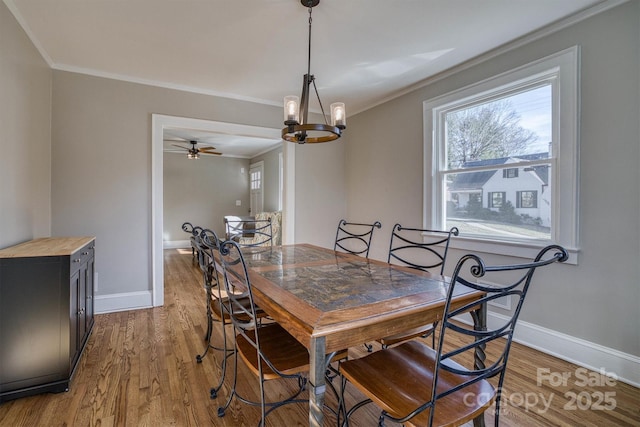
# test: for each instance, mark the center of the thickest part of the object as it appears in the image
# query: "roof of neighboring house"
(476, 180)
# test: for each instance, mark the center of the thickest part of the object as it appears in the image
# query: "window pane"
(515, 125)
(516, 208)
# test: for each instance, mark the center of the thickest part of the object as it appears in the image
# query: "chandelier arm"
(320, 102)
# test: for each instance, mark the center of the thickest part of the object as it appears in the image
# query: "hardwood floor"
(139, 369)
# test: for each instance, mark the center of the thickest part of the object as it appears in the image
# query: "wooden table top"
(347, 299)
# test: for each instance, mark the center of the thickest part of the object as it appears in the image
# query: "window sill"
(514, 249)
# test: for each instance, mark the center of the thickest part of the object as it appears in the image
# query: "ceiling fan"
(193, 152)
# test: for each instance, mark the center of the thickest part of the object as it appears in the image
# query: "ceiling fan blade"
(207, 148)
(180, 146)
(215, 153)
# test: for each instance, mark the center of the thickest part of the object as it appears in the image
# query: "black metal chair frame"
(193, 231)
(444, 360)
(245, 320)
(440, 238)
(346, 234)
(207, 244)
(260, 229)
(401, 246)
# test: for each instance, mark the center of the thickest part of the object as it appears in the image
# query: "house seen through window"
(484, 141)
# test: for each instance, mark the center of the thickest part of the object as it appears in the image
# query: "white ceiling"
(363, 51)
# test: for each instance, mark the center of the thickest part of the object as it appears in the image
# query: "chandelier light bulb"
(291, 109)
(338, 116)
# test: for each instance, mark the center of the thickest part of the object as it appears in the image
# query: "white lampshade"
(338, 115)
(291, 109)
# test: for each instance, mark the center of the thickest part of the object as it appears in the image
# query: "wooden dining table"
(330, 301)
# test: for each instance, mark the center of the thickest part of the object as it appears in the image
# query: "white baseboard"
(176, 244)
(623, 366)
(122, 302)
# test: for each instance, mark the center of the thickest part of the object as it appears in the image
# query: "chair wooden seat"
(222, 312)
(399, 379)
(285, 352)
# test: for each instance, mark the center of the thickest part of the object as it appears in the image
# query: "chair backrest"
(249, 232)
(207, 243)
(420, 248)
(468, 270)
(354, 238)
(193, 232)
(238, 287)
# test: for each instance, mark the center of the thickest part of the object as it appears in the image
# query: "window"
(502, 140)
(527, 199)
(510, 173)
(496, 199)
(256, 180)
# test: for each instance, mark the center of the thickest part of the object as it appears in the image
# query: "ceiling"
(364, 52)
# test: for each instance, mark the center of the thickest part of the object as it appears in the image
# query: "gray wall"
(202, 192)
(598, 299)
(25, 136)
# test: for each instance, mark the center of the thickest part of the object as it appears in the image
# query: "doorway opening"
(162, 122)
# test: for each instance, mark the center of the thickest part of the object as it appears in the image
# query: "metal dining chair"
(355, 238)
(206, 244)
(416, 385)
(218, 306)
(422, 249)
(267, 349)
(250, 232)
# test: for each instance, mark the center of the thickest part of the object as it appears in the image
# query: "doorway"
(162, 122)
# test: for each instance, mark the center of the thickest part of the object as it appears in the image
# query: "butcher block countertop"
(47, 246)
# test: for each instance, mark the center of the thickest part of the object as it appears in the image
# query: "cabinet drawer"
(80, 257)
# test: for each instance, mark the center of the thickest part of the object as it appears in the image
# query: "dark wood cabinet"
(46, 313)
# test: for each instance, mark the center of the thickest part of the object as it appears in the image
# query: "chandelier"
(296, 110)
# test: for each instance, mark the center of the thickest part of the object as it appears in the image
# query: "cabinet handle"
(85, 253)
(76, 260)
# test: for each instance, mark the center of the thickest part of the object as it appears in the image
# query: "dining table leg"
(479, 324)
(317, 368)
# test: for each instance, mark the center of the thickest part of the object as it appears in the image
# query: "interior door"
(256, 183)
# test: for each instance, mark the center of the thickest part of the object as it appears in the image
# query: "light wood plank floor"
(139, 369)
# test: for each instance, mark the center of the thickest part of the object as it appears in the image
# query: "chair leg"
(207, 336)
(222, 409)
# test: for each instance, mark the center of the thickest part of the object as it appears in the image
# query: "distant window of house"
(527, 199)
(497, 199)
(506, 127)
(510, 173)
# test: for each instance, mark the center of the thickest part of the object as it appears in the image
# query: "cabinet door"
(82, 306)
(89, 274)
(74, 310)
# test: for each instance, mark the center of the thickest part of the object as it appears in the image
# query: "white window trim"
(564, 68)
